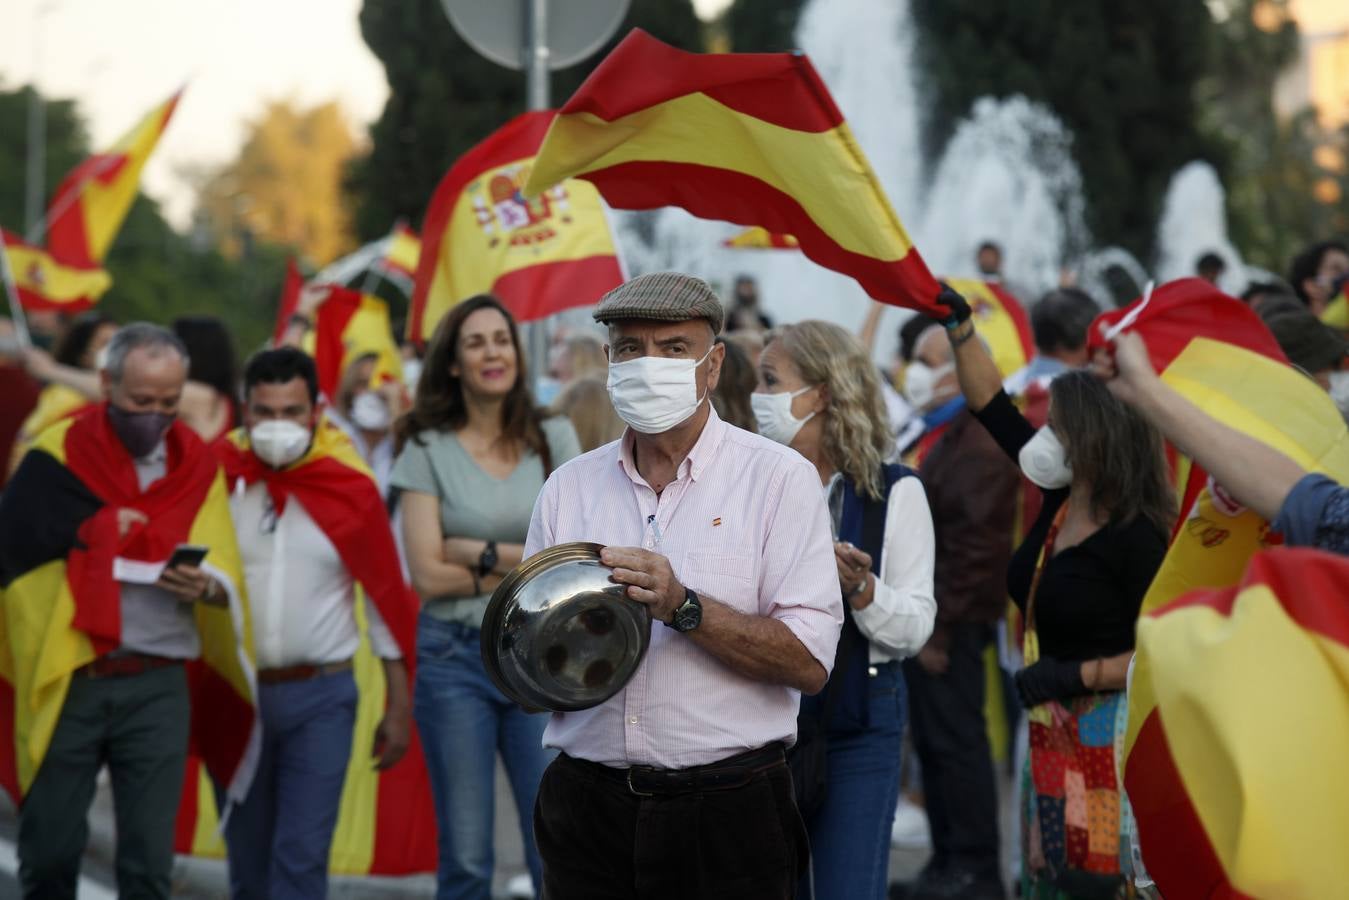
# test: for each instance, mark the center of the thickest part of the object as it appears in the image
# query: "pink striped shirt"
(745, 523)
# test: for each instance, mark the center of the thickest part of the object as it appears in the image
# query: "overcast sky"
(119, 58)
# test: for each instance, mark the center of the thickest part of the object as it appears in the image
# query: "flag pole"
(16, 313)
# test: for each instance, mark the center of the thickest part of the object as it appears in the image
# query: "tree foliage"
(763, 26)
(444, 98)
(157, 273)
(285, 186)
(1122, 77)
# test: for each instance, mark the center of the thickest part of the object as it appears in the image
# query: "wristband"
(958, 339)
(301, 320)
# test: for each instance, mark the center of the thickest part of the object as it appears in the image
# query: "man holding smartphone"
(97, 627)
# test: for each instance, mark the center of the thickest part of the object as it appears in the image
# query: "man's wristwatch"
(488, 560)
(687, 615)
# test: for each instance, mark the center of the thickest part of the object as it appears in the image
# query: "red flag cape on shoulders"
(336, 488)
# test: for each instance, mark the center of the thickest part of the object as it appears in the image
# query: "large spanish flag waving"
(348, 326)
(45, 283)
(386, 823)
(539, 255)
(753, 139)
(87, 211)
(1239, 733)
(61, 606)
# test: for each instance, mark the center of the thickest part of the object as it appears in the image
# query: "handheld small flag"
(539, 255)
(44, 283)
(757, 238)
(749, 138)
(91, 203)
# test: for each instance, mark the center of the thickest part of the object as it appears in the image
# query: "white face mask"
(101, 359)
(920, 382)
(279, 442)
(1045, 462)
(773, 415)
(654, 394)
(369, 412)
(412, 371)
(1339, 391)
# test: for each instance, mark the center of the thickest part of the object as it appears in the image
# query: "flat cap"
(662, 297)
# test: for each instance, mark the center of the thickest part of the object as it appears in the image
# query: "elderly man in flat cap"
(676, 787)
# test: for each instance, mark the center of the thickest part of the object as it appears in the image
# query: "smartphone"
(187, 555)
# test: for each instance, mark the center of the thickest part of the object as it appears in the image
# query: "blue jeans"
(850, 834)
(464, 721)
(280, 837)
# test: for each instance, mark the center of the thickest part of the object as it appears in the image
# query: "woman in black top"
(1079, 578)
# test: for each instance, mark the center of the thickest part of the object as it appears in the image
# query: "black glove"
(1049, 679)
(959, 309)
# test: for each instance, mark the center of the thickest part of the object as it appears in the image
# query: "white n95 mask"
(1045, 462)
(920, 382)
(653, 393)
(773, 415)
(369, 412)
(279, 442)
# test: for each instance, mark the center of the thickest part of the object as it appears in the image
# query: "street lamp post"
(36, 174)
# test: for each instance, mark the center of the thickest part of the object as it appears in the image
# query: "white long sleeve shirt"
(300, 590)
(899, 619)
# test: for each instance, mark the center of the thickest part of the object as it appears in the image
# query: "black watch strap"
(689, 614)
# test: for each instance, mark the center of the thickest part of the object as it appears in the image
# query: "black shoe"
(958, 884)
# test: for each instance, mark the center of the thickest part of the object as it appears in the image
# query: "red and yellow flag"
(753, 139)
(405, 250)
(93, 200)
(1336, 313)
(1239, 732)
(44, 283)
(538, 255)
(1001, 320)
(347, 326)
(757, 238)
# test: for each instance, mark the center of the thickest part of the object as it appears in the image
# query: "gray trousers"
(138, 726)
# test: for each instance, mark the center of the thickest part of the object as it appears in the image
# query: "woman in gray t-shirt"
(475, 453)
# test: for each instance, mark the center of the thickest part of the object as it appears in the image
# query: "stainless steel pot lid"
(559, 635)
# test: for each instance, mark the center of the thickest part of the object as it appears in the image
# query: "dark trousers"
(280, 837)
(951, 739)
(137, 725)
(601, 841)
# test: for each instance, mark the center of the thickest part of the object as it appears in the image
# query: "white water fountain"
(1194, 222)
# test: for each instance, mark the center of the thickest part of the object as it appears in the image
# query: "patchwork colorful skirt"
(1076, 820)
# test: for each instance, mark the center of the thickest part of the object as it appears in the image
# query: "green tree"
(67, 144)
(444, 98)
(1121, 76)
(763, 26)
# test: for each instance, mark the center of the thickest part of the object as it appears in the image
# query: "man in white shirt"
(311, 525)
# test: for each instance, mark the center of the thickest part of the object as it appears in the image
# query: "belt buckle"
(633, 788)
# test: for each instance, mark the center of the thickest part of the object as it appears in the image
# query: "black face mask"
(140, 432)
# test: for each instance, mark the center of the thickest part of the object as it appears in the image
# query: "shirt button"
(632, 721)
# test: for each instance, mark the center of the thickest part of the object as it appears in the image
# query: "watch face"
(688, 616)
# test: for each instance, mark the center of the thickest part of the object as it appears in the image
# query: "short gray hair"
(141, 336)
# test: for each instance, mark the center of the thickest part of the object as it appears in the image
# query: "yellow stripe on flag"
(693, 129)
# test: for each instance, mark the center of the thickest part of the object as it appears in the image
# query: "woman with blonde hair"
(586, 402)
(819, 394)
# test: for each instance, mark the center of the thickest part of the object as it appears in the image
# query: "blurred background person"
(573, 354)
(1210, 267)
(69, 375)
(1317, 273)
(586, 403)
(746, 312)
(475, 452)
(1079, 578)
(820, 395)
(366, 414)
(988, 260)
(20, 391)
(751, 342)
(972, 491)
(1315, 348)
(737, 382)
(1258, 293)
(210, 403)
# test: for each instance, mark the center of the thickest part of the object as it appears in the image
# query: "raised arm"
(979, 378)
(1256, 474)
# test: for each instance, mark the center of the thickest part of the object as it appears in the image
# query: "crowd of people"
(827, 549)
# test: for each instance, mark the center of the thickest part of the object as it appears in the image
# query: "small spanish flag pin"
(716, 521)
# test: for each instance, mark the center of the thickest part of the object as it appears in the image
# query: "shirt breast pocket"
(728, 577)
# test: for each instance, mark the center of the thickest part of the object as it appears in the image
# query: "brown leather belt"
(302, 672)
(727, 774)
(125, 664)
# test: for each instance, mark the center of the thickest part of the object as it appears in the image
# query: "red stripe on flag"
(405, 817)
(541, 290)
(1176, 849)
(9, 769)
(333, 316)
(1310, 585)
(185, 827)
(290, 300)
(710, 192)
(779, 88)
(36, 302)
(1017, 313)
(222, 721)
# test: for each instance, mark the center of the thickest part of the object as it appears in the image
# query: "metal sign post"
(16, 313)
